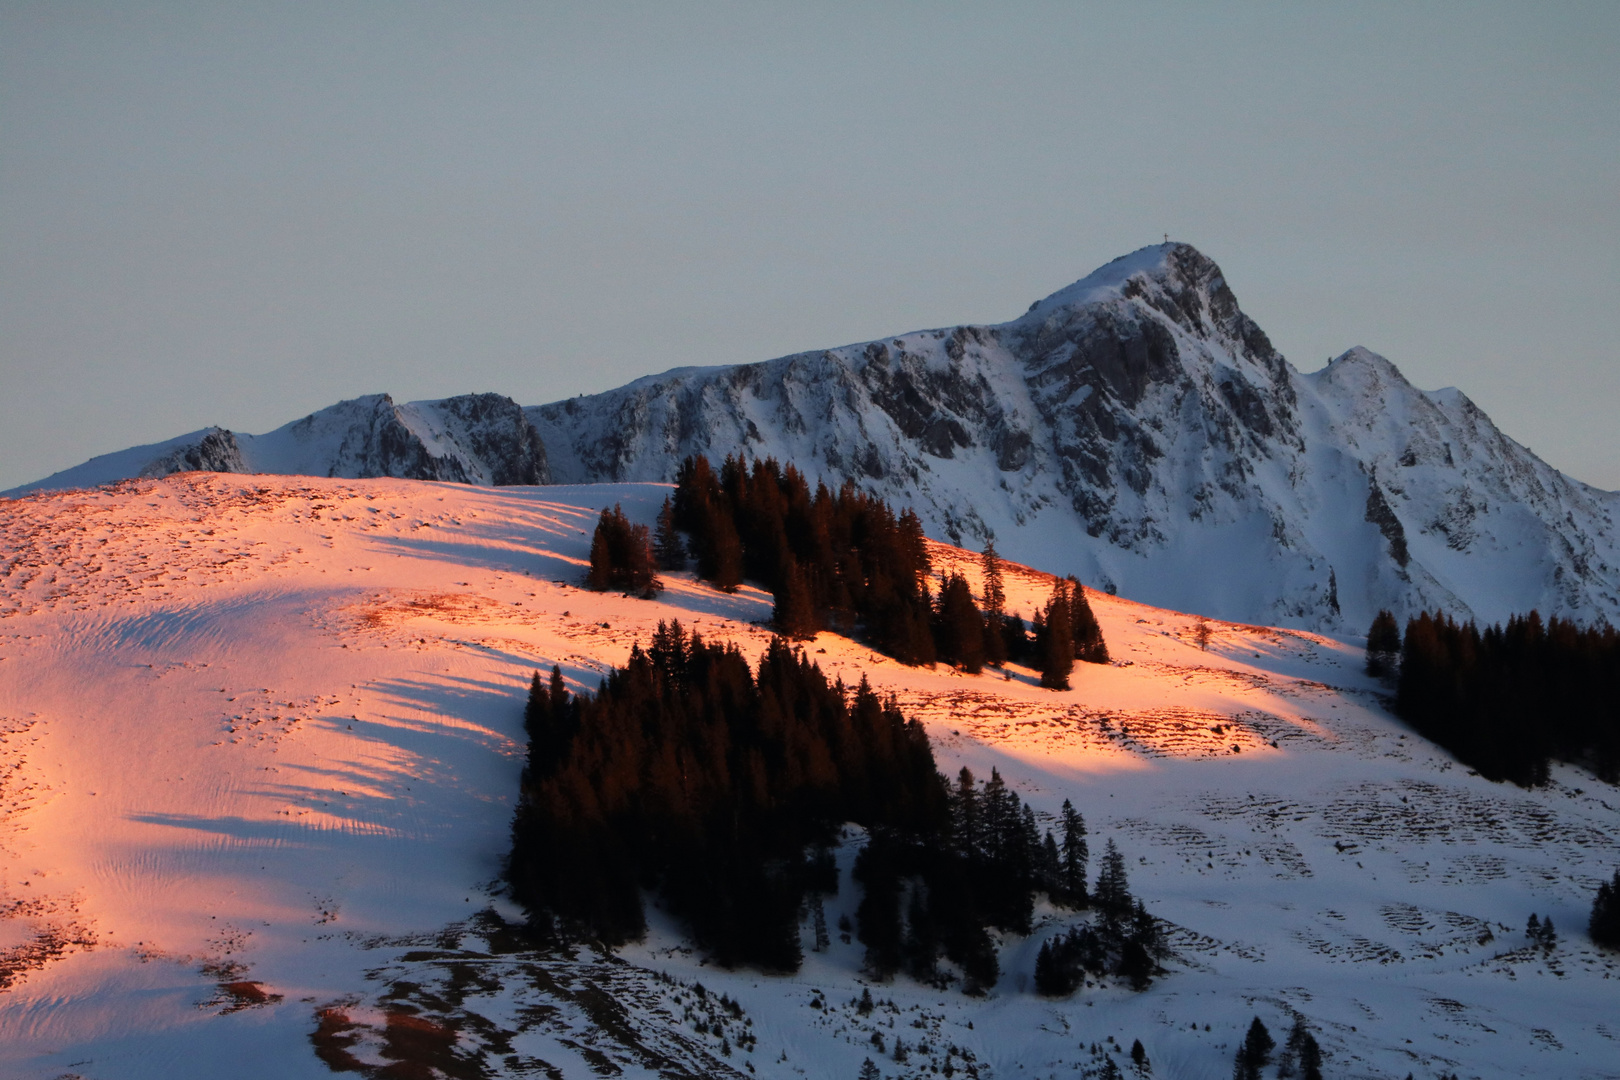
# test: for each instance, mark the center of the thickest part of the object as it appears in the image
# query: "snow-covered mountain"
(471, 439)
(260, 741)
(1135, 428)
(1138, 429)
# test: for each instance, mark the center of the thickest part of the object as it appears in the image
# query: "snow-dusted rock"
(1138, 429)
(471, 439)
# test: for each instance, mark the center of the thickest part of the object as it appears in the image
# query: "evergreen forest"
(845, 561)
(1509, 699)
(721, 788)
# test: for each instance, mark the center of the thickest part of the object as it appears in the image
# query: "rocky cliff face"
(472, 439)
(1138, 429)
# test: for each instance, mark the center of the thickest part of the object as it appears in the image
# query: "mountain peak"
(1107, 282)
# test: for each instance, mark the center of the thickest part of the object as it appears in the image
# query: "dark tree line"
(833, 559)
(691, 774)
(845, 561)
(1509, 699)
(932, 897)
(721, 787)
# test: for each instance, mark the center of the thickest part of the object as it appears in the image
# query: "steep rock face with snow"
(1138, 429)
(471, 439)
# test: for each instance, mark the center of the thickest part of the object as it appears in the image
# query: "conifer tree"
(995, 604)
(1139, 1058)
(1076, 853)
(1255, 1052)
(878, 916)
(537, 713)
(1310, 1058)
(1290, 1058)
(959, 629)
(1048, 981)
(1050, 877)
(994, 811)
(668, 549)
(1112, 894)
(602, 572)
(725, 553)
(1084, 629)
(1383, 644)
(1055, 645)
(621, 556)
(1604, 925)
(1014, 638)
(818, 913)
(869, 1071)
(795, 612)
(965, 814)
(920, 947)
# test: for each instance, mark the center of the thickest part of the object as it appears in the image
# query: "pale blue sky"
(235, 214)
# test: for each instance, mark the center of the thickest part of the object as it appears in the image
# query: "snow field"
(260, 738)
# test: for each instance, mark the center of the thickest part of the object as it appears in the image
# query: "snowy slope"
(1138, 429)
(472, 439)
(260, 736)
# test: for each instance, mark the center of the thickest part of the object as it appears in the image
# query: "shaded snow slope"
(1138, 429)
(260, 737)
(472, 439)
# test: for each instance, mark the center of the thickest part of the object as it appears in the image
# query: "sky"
(237, 214)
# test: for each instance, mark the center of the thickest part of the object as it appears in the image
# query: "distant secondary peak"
(1364, 365)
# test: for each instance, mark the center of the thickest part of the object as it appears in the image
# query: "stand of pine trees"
(1508, 699)
(834, 560)
(720, 787)
(935, 896)
(845, 561)
(1066, 631)
(692, 775)
(1126, 941)
(622, 556)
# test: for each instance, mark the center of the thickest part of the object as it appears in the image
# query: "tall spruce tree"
(958, 627)
(1292, 1057)
(1255, 1052)
(795, 611)
(668, 548)
(1113, 893)
(1084, 629)
(1076, 853)
(1604, 925)
(995, 605)
(1310, 1058)
(1055, 644)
